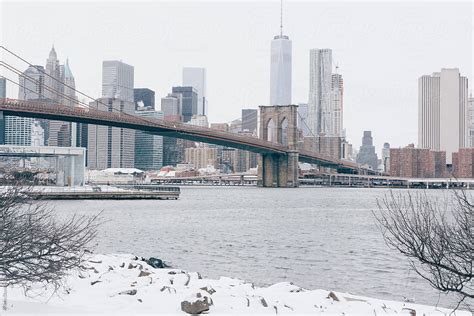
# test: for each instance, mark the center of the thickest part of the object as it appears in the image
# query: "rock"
(144, 273)
(156, 263)
(131, 266)
(196, 304)
(187, 280)
(333, 296)
(128, 292)
(168, 288)
(208, 289)
(176, 272)
(410, 310)
(289, 307)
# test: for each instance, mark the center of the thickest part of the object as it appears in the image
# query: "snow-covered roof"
(123, 170)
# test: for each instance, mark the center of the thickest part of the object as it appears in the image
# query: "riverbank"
(124, 284)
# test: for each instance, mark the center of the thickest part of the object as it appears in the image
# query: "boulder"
(333, 296)
(144, 273)
(208, 289)
(196, 304)
(128, 292)
(156, 263)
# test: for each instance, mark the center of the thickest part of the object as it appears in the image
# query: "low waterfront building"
(463, 163)
(411, 162)
(67, 164)
(115, 176)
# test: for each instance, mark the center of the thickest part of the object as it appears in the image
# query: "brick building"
(463, 162)
(411, 162)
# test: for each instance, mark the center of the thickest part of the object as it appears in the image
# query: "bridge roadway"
(37, 109)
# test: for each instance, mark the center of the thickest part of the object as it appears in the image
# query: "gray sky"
(381, 50)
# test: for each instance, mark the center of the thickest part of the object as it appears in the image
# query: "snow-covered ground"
(125, 285)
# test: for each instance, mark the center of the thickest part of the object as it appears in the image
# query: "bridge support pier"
(278, 171)
(278, 124)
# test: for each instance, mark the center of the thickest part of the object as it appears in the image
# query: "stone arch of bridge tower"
(270, 128)
(283, 131)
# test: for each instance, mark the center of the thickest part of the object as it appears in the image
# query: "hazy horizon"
(381, 50)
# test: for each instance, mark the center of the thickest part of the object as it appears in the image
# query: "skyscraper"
(189, 99)
(144, 97)
(302, 120)
(386, 157)
(52, 80)
(148, 147)
(280, 68)
(69, 98)
(18, 129)
(443, 111)
(337, 88)
(117, 80)
(3, 95)
(249, 120)
(196, 78)
(320, 81)
(173, 152)
(111, 147)
(59, 88)
(367, 155)
(470, 141)
(3, 88)
(171, 106)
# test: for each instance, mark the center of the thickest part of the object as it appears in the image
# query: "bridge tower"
(278, 124)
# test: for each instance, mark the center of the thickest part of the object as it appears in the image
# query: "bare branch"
(436, 237)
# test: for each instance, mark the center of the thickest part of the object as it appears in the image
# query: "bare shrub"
(435, 236)
(35, 247)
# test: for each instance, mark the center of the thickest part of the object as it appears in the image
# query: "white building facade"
(337, 106)
(443, 111)
(319, 101)
(280, 70)
(117, 80)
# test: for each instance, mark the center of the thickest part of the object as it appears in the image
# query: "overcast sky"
(381, 49)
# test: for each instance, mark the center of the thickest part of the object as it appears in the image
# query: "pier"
(110, 193)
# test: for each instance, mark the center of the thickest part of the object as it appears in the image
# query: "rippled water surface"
(315, 237)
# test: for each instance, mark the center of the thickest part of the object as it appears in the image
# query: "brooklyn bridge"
(277, 143)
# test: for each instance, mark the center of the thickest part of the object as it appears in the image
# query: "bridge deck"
(59, 112)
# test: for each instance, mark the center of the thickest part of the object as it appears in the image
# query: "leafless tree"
(36, 247)
(436, 235)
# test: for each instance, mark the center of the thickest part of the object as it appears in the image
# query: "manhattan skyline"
(380, 65)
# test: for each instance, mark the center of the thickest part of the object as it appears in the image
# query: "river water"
(314, 237)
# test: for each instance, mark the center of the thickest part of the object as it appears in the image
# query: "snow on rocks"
(125, 284)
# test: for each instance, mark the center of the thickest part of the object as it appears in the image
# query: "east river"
(323, 238)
